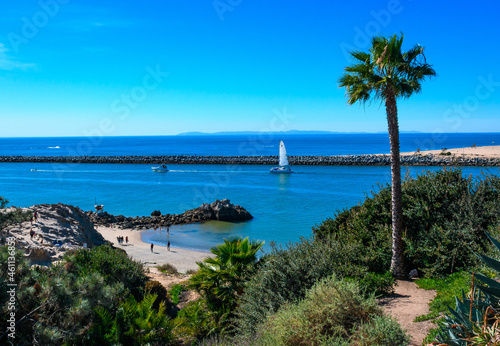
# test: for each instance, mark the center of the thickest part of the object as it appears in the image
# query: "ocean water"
(285, 207)
(263, 144)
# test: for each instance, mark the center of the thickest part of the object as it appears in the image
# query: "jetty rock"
(222, 210)
(58, 228)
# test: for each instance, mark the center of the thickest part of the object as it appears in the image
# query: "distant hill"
(291, 132)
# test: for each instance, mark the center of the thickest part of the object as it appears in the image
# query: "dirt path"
(408, 302)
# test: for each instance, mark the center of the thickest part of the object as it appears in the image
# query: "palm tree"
(385, 73)
(220, 279)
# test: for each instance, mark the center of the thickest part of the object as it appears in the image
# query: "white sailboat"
(283, 164)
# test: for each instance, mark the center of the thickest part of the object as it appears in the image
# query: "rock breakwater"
(337, 160)
(222, 210)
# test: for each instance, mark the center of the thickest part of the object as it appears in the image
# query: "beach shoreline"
(489, 152)
(182, 259)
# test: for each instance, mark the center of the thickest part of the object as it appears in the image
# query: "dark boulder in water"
(226, 211)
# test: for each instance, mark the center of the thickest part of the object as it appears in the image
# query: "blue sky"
(161, 67)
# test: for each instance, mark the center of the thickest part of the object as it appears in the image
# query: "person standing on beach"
(152, 245)
(168, 245)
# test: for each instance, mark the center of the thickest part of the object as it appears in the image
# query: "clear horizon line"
(231, 133)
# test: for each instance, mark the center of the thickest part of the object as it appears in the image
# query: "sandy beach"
(491, 151)
(138, 250)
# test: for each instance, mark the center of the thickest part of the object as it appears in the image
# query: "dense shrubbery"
(112, 264)
(333, 312)
(287, 274)
(444, 216)
(58, 304)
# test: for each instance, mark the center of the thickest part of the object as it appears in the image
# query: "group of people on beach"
(120, 239)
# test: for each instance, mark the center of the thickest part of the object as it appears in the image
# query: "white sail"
(283, 157)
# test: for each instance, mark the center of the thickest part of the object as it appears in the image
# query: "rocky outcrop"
(58, 227)
(335, 160)
(225, 211)
(222, 210)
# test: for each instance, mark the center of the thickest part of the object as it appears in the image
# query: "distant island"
(290, 132)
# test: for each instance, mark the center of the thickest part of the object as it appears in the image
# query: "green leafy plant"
(333, 311)
(445, 216)
(113, 264)
(156, 288)
(135, 323)
(475, 319)
(174, 293)
(287, 274)
(220, 280)
(57, 304)
(447, 289)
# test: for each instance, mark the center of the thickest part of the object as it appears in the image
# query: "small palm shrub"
(335, 312)
(220, 280)
(195, 322)
(156, 288)
(175, 292)
(135, 323)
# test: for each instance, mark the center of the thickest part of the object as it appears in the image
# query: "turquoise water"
(285, 207)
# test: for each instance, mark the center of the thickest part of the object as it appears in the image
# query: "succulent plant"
(475, 320)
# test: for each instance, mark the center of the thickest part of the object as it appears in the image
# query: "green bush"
(380, 284)
(194, 321)
(113, 264)
(444, 215)
(287, 274)
(57, 304)
(380, 331)
(168, 269)
(333, 312)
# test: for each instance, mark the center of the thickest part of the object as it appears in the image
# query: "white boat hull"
(284, 170)
(160, 169)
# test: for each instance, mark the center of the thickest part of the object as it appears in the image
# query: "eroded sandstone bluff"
(57, 228)
(339, 160)
(222, 210)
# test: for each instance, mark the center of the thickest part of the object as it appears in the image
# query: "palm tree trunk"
(397, 261)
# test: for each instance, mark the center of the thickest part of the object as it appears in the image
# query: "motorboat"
(283, 167)
(160, 169)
